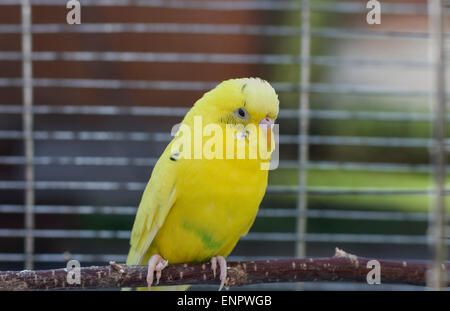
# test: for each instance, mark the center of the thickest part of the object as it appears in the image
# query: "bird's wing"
(158, 198)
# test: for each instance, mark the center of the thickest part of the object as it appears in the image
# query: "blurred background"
(108, 91)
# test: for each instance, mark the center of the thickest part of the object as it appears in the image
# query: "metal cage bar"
(319, 88)
(27, 76)
(437, 227)
(343, 7)
(303, 125)
(226, 29)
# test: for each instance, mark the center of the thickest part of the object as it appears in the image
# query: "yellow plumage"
(194, 209)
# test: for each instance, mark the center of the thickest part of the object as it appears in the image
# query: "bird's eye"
(241, 113)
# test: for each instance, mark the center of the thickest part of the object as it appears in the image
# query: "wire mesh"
(73, 168)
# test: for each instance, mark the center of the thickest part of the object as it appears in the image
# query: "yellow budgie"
(204, 192)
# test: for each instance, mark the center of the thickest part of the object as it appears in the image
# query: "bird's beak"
(267, 125)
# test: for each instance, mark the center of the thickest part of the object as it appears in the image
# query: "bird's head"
(241, 101)
(247, 108)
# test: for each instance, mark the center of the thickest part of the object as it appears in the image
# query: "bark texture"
(341, 267)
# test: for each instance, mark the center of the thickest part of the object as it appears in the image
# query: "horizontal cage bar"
(138, 186)
(215, 58)
(215, 29)
(252, 236)
(263, 212)
(204, 86)
(180, 112)
(344, 7)
(394, 142)
(284, 164)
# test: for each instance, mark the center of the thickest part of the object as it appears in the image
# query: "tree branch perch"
(341, 267)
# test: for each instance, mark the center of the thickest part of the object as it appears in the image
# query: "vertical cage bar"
(303, 128)
(436, 279)
(27, 115)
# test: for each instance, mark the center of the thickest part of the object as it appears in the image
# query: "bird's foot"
(223, 269)
(156, 263)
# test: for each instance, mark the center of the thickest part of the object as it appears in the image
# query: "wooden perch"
(341, 267)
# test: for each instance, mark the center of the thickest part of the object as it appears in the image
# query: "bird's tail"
(165, 288)
(160, 288)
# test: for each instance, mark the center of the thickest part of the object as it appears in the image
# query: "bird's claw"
(223, 269)
(156, 263)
